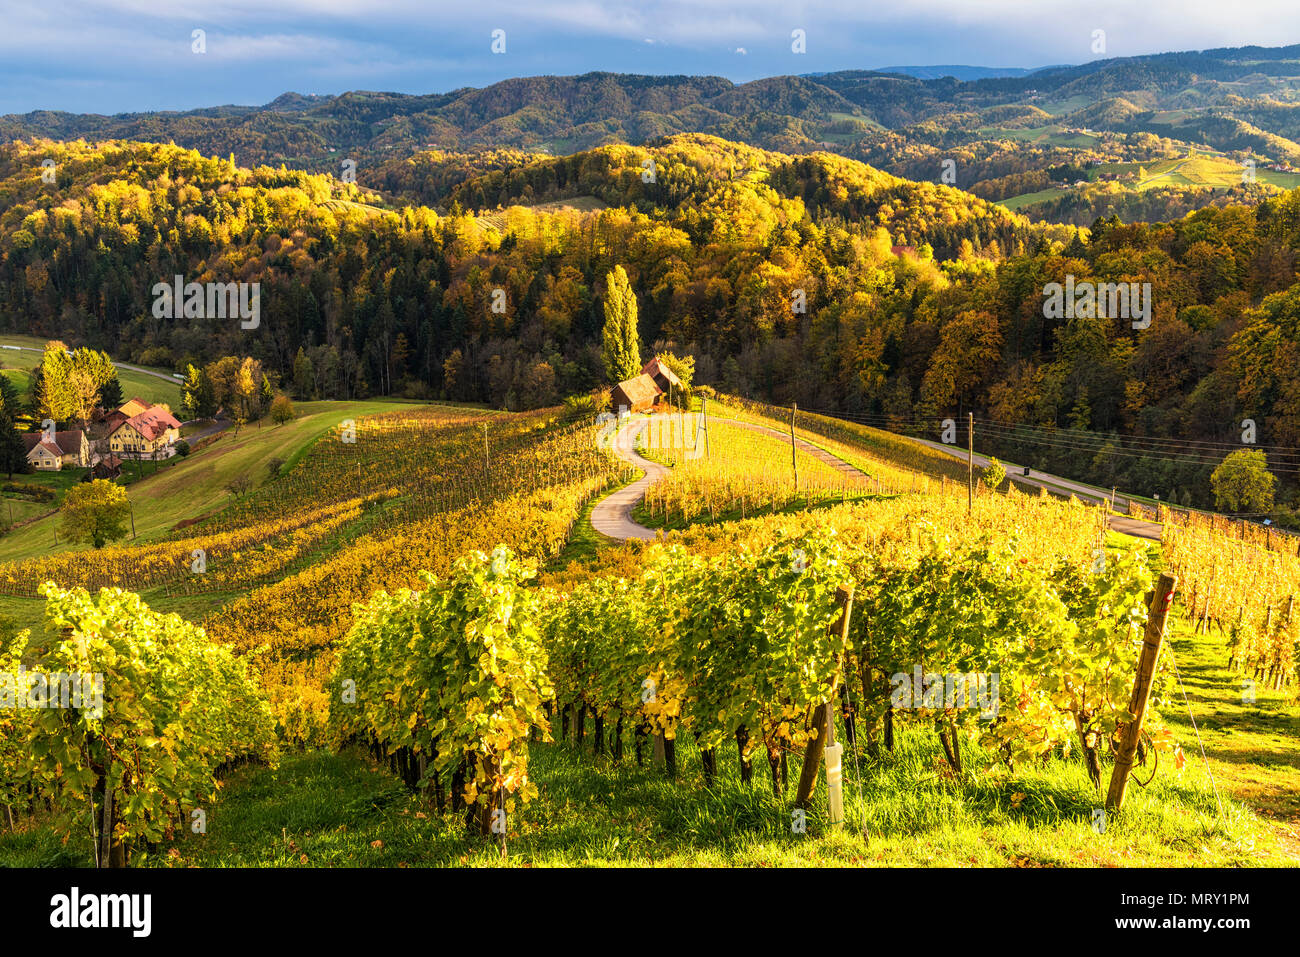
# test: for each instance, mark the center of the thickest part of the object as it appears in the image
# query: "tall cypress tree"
(620, 341)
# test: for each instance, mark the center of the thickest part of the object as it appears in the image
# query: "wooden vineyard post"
(1161, 599)
(1280, 681)
(823, 721)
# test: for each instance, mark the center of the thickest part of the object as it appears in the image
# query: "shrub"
(994, 474)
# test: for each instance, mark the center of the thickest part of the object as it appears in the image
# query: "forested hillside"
(813, 279)
(360, 300)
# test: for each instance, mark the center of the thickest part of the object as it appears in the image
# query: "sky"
(118, 56)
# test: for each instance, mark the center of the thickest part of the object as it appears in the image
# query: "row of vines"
(734, 648)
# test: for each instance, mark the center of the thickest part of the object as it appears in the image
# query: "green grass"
(1197, 169)
(134, 384)
(15, 509)
(1252, 748)
(584, 541)
(20, 378)
(1059, 107)
(195, 486)
(1281, 180)
(1040, 136)
(1015, 203)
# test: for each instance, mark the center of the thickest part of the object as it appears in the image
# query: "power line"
(1201, 452)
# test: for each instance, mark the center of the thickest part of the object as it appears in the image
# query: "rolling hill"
(903, 121)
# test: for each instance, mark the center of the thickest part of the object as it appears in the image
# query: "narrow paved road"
(1054, 483)
(215, 426)
(815, 451)
(120, 365)
(612, 516)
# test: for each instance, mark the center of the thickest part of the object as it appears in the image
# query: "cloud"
(111, 55)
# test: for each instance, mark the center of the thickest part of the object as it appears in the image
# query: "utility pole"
(794, 461)
(487, 462)
(131, 506)
(970, 462)
(705, 411)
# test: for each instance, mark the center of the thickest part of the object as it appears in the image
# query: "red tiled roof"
(151, 423)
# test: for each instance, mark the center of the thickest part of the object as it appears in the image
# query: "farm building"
(128, 409)
(148, 434)
(132, 407)
(663, 376)
(635, 395)
(51, 455)
(108, 467)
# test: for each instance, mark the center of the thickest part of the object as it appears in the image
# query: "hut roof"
(638, 390)
(661, 373)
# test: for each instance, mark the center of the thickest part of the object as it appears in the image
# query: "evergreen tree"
(110, 393)
(190, 392)
(621, 341)
(198, 400)
(13, 454)
(304, 375)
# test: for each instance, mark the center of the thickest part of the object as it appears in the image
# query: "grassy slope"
(1015, 203)
(195, 486)
(134, 384)
(1196, 169)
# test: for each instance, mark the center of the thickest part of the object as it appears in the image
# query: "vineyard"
(397, 599)
(1244, 590)
(132, 764)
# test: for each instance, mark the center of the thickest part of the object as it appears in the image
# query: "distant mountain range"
(958, 72)
(992, 122)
